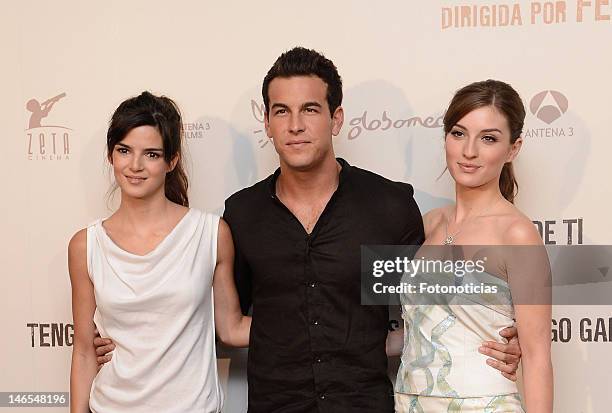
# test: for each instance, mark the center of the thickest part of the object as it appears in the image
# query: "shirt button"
(315, 322)
(322, 397)
(318, 359)
(313, 284)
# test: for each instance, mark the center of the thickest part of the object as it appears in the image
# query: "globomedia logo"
(357, 125)
(369, 123)
(46, 142)
(549, 106)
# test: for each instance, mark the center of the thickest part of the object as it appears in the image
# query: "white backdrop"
(401, 61)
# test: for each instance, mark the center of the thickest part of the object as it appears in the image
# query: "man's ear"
(267, 123)
(337, 120)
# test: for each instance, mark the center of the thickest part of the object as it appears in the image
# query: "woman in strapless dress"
(441, 368)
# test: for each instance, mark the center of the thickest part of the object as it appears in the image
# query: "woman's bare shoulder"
(519, 229)
(78, 242)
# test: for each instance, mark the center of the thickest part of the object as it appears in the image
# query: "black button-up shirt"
(313, 346)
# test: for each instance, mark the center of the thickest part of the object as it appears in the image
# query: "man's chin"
(301, 164)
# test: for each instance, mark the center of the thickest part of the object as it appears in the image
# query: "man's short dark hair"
(300, 61)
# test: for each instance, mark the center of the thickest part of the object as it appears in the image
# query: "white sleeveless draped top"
(158, 309)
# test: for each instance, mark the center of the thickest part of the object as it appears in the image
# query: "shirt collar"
(344, 174)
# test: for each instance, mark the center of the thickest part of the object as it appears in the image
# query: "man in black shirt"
(297, 234)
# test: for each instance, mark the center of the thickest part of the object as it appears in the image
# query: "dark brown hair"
(162, 113)
(300, 61)
(507, 101)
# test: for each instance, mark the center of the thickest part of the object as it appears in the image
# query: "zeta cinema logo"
(45, 141)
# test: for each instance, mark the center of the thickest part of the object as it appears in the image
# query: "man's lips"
(297, 144)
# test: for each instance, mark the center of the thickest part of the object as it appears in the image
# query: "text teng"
(51, 334)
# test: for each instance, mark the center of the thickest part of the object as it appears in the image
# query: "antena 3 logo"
(44, 141)
(549, 106)
(195, 130)
(551, 111)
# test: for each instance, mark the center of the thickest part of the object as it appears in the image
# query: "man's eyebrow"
(279, 105)
(309, 104)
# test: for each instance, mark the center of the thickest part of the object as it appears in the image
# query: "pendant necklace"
(450, 238)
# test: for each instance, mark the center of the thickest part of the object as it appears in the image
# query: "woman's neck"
(143, 211)
(472, 202)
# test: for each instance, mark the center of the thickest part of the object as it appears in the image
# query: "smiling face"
(299, 121)
(139, 165)
(478, 146)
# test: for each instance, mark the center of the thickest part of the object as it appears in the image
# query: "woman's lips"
(468, 167)
(135, 179)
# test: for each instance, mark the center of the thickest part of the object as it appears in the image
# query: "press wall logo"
(503, 14)
(259, 112)
(565, 231)
(589, 330)
(358, 125)
(368, 123)
(44, 141)
(549, 106)
(196, 130)
(50, 334)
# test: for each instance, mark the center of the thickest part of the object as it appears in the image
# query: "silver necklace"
(450, 238)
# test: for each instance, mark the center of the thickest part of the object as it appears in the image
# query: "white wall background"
(395, 57)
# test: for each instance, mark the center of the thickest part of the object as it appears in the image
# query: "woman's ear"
(173, 163)
(515, 148)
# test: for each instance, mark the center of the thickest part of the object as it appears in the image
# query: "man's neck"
(312, 184)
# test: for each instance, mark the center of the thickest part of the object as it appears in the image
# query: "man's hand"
(104, 347)
(505, 357)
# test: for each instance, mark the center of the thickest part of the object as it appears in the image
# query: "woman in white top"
(146, 274)
(441, 369)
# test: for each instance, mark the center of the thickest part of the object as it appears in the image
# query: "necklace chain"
(450, 238)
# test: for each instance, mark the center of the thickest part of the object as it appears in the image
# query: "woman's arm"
(533, 323)
(529, 278)
(83, 369)
(233, 328)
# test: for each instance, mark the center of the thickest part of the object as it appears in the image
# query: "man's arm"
(104, 347)
(413, 232)
(505, 357)
(395, 342)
